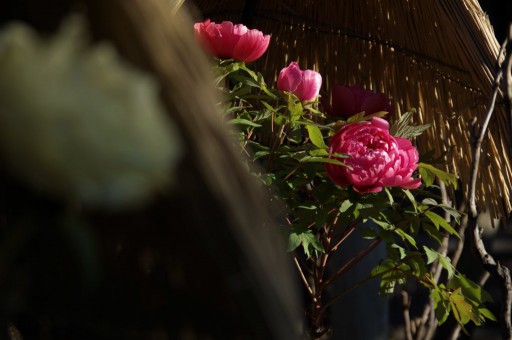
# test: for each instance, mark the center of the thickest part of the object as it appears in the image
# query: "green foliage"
(429, 173)
(403, 129)
(306, 238)
(286, 141)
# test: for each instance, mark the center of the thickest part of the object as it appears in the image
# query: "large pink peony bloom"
(229, 41)
(346, 101)
(304, 84)
(377, 159)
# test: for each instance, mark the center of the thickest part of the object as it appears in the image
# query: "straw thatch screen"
(436, 56)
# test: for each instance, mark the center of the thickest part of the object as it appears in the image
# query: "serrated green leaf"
(294, 107)
(431, 254)
(441, 305)
(432, 232)
(470, 289)
(447, 264)
(402, 128)
(446, 177)
(440, 221)
(407, 237)
(311, 244)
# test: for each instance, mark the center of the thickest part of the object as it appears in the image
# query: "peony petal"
(310, 85)
(367, 190)
(251, 46)
(289, 78)
(380, 123)
(414, 184)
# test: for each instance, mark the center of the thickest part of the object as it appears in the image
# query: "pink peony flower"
(229, 41)
(377, 159)
(304, 84)
(348, 100)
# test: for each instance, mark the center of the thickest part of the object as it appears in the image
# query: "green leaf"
(294, 107)
(345, 206)
(433, 232)
(407, 237)
(463, 311)
(390, 197)
(440, 221)
(308, 240)
(431, 254)
(260, 154)
(401, 128)
(318, 152)
(470, 289)
(429, 201)
(311, 244)
(428, 170)
(268, 106)
(427, 177)
(315, 135)
(447, 264)
(441, 305)
(383, 224)
(411, 199)
(240, 121)
(487, 313)
(358, 117)
(249, 71)
(294, 240)
(401, 251)
(417, 265)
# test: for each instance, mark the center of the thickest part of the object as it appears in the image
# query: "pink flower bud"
(346, 101)
(304, 84)
(229, 41)
(377, 159)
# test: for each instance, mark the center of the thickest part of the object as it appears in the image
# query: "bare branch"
(501, 273)
(407, 319)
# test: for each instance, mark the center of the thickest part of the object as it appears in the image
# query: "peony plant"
(337, 166)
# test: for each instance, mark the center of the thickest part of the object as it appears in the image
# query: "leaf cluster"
(286, 144)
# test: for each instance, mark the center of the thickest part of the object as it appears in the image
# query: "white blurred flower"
(77, 122)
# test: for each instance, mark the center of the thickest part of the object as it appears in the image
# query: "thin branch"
(407, 318)
(303, 277)
(353, 261)
(501, 273)
(346, 234)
